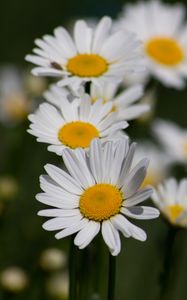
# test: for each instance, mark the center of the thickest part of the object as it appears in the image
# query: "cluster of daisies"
(85, 115)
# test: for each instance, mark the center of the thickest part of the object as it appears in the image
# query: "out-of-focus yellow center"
(165, 51)
(174, 211)
(87, 65)
(185, 148)
(77, 134)
(17, 107)
(151, 179)
(100, 202)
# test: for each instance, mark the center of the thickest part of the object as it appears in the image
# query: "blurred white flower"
(100, 192)
(163, 33)
(34, 86)
(57, 286)
(148, 99)
(8, 187)
(14, 102)
(93, 55)
(173, 138)
(171, 198)
(13, 279)
(53, 259)
(158, 163)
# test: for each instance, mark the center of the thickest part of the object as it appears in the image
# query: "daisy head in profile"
(74, 124)
(99, 191)
(92, 55)
(124, 103)
(162, 30)
(171, 199)
(173, 138)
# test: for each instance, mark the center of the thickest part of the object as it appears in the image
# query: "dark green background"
(21, 236)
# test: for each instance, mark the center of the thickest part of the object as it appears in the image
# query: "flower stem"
(168, 261)
(111, 277)
(72, 271)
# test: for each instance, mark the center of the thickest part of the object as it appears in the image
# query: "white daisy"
(158, 163)
(74, 124)
(101, 191)
(94, 54)
(173, 138)
(171, 198)
(162, 30)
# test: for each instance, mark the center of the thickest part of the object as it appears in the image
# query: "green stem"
(111, 277)
(168, 260)
(72, 271)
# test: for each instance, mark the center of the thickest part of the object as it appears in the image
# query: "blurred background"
(33, 265)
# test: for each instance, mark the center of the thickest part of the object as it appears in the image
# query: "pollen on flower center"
(77, 134)
(174, 211)
(87, 65)
(165, 50)
(100, 202)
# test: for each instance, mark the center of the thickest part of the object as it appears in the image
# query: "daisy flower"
(74, 124)
(162, 30)
(173, 138)
(99, 192)
(93, 54)
(171, 198)
(158, 163)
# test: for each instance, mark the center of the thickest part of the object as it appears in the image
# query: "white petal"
(77, 168)
(121, 150)
(58, 202)
(96, 160)
(140, 196)
(101, 33)
(132, 183)
(141, 212)
(82, 36)
(111, 237)
(59, 212)
(130, 95)
(65, 41)
(122, 224)
(60, 223)
(127, 164)
(72, 229)
(63, 179)
(87, 234)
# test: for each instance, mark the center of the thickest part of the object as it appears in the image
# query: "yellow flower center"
(87, 65)
(100, 202)
(114, 108)
(77, 134)
(174, 211)
(165, 50)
